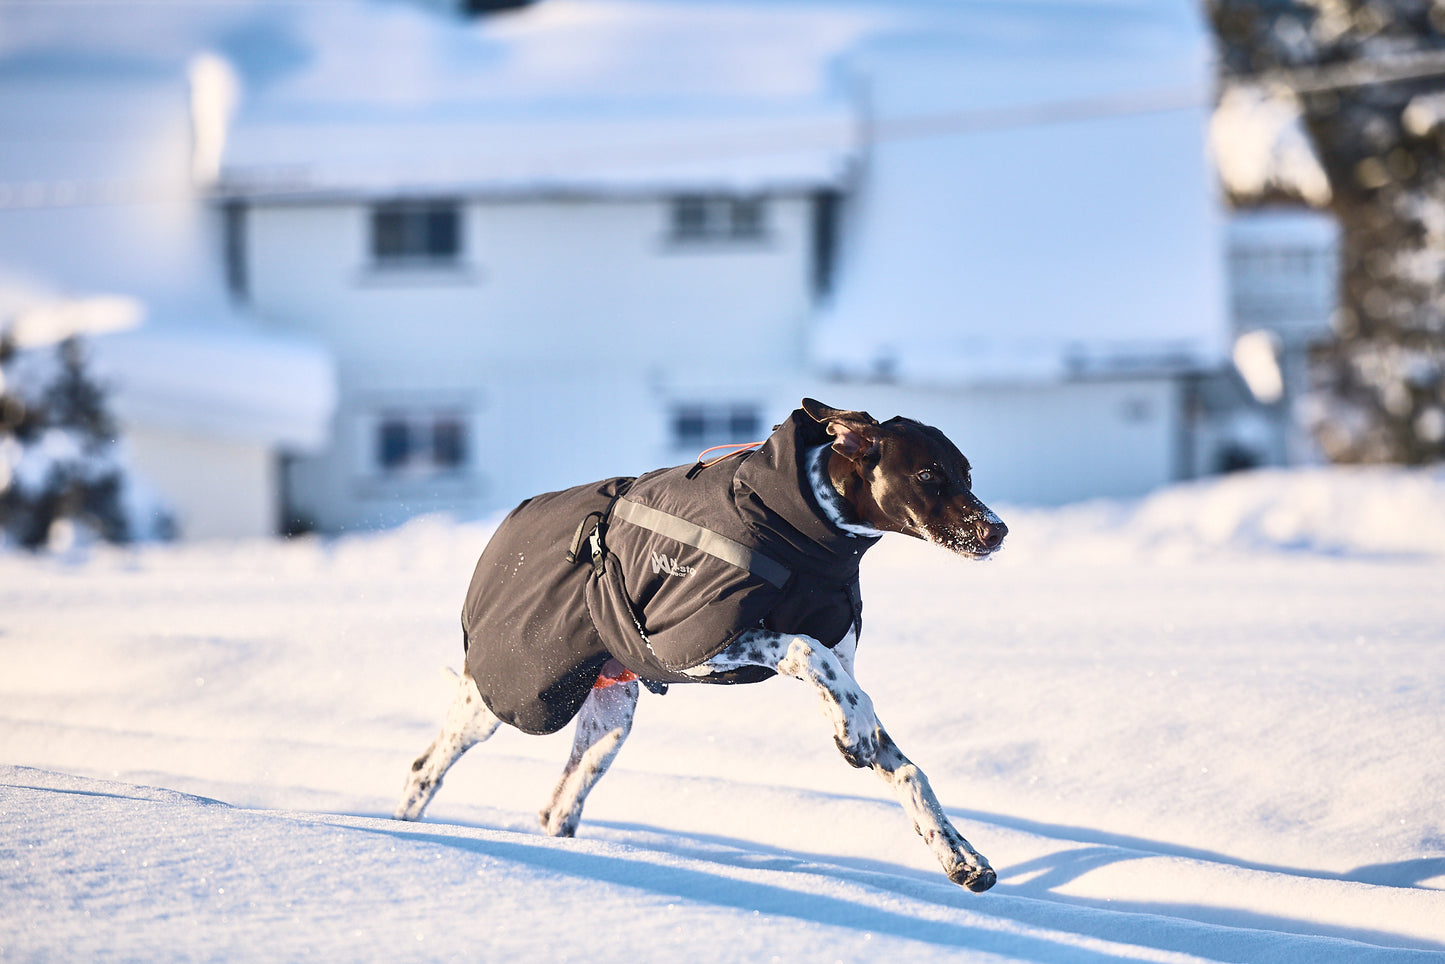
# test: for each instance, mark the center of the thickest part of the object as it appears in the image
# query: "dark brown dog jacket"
(662, 572)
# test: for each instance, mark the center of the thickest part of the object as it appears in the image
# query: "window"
(698, 217)
(699, 426)
(421, 444)
(408, 233)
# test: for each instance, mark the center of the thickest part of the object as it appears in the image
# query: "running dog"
(729, 571)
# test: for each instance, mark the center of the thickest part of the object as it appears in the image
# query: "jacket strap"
(713, 543)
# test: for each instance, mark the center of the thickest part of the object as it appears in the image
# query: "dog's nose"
(991, 533)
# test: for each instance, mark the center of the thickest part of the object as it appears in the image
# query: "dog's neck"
(836, 508)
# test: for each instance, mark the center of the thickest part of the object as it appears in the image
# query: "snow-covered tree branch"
(1365, 81)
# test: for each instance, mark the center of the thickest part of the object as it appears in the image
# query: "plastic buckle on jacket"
(574, 551)
(599, 551)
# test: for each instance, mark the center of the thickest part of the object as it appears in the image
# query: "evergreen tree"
(1369, 76)
(57, 446)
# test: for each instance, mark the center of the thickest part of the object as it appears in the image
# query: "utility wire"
(689, 150)
(1303, 80)
(1359, 72)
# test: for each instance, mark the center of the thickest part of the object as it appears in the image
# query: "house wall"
(560, 339)
(217, 487)
(1048, 443)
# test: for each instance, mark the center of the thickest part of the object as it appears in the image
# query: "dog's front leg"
(862, 741)
(960, 861)
(602, 724)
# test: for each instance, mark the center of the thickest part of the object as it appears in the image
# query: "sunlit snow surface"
(1203, 726)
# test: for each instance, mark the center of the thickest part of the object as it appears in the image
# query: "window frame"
(408, 234)
(713, 423)
(719, 219)
(419, 443)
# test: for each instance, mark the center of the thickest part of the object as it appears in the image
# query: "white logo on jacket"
(671, 567)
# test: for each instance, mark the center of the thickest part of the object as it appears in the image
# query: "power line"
(1359, 72)
(685, 150)
(1045, 114)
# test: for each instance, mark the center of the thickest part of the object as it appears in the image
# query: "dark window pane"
(416, 232)
(747, 218)
(689, 426)
(744, 425)
(689, 217)
(394, 443)
(449, 443)
(388, 233)
(441, 233)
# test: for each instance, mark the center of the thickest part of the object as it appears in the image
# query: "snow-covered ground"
(1203, 726)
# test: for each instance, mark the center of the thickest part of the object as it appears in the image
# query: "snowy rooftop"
(1032, 191)
(1038, 204)
(567, 95)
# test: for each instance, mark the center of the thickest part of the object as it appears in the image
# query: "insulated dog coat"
(662, 572)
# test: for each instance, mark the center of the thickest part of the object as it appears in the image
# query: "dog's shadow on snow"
(1102, 848)
(1036, 882)
(976, 932)
(1026, 894)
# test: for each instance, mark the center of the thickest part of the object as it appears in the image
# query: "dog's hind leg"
(602, 725)
(862, 740)
(468, 722)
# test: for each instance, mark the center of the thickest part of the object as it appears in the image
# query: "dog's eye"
(929, 477)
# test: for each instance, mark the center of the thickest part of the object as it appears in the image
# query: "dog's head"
(904, 476)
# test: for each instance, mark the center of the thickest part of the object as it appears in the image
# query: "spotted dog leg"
(602, 724)
(468, 722)
(862, 740)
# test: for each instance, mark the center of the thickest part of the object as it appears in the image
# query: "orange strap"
(734, 449)
(626, 676)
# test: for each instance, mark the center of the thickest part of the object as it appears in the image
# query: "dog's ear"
(850, 430)
(827, 413)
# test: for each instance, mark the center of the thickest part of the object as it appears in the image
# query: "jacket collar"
(774, 496)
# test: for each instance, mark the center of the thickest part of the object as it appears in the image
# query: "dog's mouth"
(972, 542)
(960, 544)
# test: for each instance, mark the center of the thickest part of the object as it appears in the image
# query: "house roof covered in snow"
(563, 96)
(1029, 191)
(1037, 202)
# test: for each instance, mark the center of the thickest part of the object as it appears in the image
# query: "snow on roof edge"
(234, 381)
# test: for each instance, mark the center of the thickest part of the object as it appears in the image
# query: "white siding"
(563, 334)
(588, 280)
(1046, 443)
(218, 488)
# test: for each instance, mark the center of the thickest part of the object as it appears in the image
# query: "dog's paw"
(975, 878)
(564, 825)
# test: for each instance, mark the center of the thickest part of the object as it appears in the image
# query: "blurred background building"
(400, 257)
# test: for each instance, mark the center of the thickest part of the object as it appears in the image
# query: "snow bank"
(1370, 511)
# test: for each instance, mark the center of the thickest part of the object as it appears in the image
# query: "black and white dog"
(846, 479)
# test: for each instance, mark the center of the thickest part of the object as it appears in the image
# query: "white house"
(584, 238)
(587, 239)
